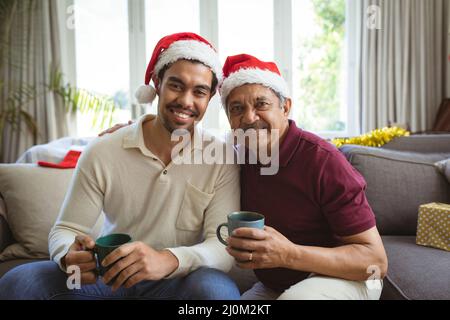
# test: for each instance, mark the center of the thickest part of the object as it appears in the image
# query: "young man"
(171, 211)
(321, 241)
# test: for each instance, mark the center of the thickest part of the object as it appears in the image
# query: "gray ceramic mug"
(241, 219)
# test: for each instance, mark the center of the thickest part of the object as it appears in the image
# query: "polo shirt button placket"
(164, 177)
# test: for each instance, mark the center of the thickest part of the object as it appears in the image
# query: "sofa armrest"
(6, 237)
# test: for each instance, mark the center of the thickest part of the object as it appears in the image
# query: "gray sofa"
(400, 176)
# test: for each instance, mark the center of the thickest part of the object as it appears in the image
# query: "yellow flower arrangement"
(375, 138)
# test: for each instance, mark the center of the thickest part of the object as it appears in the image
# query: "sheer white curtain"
(33, 49)
(398, 58)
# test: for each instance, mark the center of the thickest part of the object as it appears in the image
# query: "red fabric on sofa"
(69, 162)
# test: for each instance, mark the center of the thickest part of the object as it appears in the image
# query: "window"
(162, 19)
(306, 38)
(102, 55)
(246, 27)
(318, 55)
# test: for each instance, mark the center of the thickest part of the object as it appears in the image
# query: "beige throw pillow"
(33, 196)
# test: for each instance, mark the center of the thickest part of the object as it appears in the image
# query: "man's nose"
(250, 116)
(186, 99)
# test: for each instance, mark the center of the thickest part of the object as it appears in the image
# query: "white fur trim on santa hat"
(190, 50)
(145, 94)
(253, 76)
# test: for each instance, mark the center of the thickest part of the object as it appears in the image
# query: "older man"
(171, 211)
(321, 241)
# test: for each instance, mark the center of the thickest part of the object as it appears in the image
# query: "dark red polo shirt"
(315, 196)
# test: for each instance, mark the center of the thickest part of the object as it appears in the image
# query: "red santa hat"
(246, 69)
(178, 46)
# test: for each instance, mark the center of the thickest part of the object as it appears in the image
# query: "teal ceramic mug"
(241, 219)
(107, 244)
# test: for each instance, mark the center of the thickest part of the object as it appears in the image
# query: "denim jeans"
(45, 281)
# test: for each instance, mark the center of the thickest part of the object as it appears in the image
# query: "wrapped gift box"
(433, 226)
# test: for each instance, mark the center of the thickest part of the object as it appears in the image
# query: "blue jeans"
(45, 281)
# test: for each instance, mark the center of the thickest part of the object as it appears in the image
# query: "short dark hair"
(214, 83)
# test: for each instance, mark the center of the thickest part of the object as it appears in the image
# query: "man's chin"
(172, 127)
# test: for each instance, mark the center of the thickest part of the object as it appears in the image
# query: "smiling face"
(254, 106)
(184, 94)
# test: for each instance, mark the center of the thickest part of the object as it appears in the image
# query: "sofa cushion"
(33, 197)
(397, 184)
(415, 272)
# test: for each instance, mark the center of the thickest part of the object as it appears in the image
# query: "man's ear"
(287, 107)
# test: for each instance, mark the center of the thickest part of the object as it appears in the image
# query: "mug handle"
(219, 236)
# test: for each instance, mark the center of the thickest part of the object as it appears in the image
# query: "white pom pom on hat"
(145, 94)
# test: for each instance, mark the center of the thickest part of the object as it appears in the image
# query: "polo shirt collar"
(135, 137)
(290, 144)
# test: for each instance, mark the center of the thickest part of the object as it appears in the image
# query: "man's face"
(254, 106)
(184, 94)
